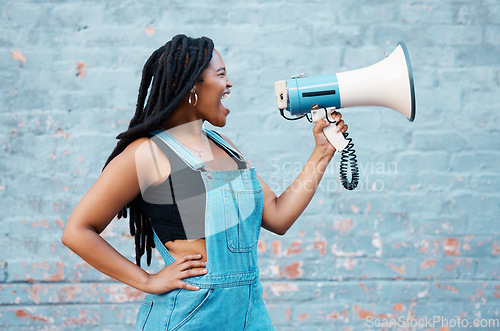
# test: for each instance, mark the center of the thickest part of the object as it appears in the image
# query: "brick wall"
(419, 237)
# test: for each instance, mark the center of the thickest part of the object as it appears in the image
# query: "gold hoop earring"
(195, 98)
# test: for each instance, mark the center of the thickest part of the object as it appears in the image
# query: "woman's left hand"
(322, 142)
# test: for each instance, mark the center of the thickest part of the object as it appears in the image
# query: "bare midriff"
(182, 247)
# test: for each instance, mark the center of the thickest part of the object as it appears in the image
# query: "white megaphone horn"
(388, 83)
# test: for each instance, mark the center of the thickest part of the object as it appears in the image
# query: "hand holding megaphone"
(336, 138)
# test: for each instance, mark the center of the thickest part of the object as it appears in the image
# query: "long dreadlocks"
(171, 72)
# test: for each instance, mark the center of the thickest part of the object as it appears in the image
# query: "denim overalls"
(230, 294)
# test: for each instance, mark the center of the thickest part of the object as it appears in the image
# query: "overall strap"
(224, 144)
(188, 157)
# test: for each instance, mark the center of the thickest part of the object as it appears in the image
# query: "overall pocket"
(187, 304)
(243, 213)
(143, 314)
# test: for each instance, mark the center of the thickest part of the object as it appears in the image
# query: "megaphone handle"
(341, 144)
(335, 138)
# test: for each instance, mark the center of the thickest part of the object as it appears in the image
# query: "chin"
(219, 122)
(222, 124)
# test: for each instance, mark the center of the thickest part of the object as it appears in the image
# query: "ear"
(198, 85)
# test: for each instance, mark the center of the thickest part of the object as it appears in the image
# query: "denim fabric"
(230, 294)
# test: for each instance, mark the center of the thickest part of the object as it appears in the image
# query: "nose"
(229, 83)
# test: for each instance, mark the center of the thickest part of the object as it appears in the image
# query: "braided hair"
(169, 74)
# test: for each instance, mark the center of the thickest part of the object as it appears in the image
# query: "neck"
(184, 125)
(189, 132)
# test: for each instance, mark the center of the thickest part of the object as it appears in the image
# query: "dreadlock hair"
(169, 74)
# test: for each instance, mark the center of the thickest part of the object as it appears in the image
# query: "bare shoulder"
(143, 148)
(125, 165)
(152, 164)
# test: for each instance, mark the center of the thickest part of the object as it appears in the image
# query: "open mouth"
(224, 96)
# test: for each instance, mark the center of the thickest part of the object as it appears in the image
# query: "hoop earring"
(195, 98)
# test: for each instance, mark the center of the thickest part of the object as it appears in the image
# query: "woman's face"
(211, 90)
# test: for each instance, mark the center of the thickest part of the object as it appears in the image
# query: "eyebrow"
(221, 69)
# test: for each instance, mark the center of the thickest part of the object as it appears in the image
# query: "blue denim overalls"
(230, 294)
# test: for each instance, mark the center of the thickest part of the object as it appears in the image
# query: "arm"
(281, 212)
(117, 185)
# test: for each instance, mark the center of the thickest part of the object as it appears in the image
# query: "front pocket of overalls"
(187, 304)
(143, 314)
(243, 213)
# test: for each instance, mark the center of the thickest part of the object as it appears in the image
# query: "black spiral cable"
(348, 157)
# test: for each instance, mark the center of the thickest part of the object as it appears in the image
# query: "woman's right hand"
(170, 277)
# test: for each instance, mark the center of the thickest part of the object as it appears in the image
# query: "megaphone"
(388, 83)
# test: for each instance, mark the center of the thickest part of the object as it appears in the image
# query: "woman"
(205, 219)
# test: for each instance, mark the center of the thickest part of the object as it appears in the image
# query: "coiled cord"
(348, 158)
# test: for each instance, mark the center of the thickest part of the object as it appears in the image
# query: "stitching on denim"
(248, 315)
(228, 274)
(253, 273)
(149, 304)
(194, 311)
(162, 249)
(225, 284)
(236, 246)
(173, 308)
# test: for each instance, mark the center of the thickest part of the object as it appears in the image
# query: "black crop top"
(176, 207)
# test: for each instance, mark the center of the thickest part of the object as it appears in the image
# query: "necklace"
(199, 151)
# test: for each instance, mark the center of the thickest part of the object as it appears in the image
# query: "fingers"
(339, 126)
(193, 273)
(187, 286)
(337, 117)
(187, 258)
(344, 129)
(170, 277)
(192, 264)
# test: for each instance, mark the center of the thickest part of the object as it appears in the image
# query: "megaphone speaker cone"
(388, 83)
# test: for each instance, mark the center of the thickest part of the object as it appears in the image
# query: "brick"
(59, 318)
(492, 35)
(475, 79)
(435, 13)
(493, 11)
(477, 55)
(429, 141)
(474, 161)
